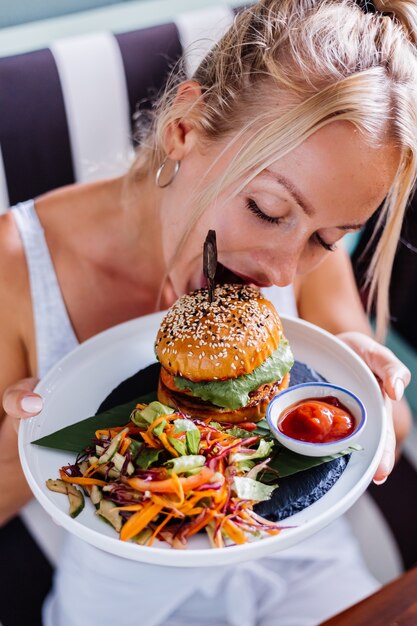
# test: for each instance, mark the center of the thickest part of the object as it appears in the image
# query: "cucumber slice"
(119, 461)
(83, 466)
(107, 511)
(76, 500)
(75, 496)
(143, 537)
(58, 485)
(113, 447)
(96, 495)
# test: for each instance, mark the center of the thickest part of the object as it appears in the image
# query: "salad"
(166, 476)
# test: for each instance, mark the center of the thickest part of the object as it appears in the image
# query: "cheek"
(311, 257)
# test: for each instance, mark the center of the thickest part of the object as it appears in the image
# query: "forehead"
(338, 167)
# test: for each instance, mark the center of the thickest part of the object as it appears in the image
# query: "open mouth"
(224, 275)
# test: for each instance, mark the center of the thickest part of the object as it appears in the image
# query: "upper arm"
(328, 296)
(15, 307)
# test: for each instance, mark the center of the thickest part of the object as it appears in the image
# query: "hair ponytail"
(404, 12)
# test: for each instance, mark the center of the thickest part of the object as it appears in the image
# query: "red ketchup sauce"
(317, 420)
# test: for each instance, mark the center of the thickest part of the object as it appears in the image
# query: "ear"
(181, 133)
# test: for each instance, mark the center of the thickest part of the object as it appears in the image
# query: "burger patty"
(253, 411)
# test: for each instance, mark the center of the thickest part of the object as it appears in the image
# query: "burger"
(225, 359)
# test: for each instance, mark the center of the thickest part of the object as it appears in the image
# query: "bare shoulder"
(16, 325)
(76, 206)
(13, 270)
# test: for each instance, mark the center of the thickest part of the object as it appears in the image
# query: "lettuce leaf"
(263, 450)
(234, 392)
(182, 464)
(249, 489)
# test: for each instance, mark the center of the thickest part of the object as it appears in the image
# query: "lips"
(253, 281)
(225, 275)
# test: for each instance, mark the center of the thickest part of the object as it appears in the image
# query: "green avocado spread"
(234, 392)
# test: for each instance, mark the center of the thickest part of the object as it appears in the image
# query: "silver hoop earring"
(160, 171)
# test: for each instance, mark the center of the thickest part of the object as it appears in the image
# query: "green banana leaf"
(78, 436)
(285, 462)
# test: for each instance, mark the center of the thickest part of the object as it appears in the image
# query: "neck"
(141, 230)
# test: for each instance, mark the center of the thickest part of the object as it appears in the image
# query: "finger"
(20, 401)
(388, 455)
(394, 375)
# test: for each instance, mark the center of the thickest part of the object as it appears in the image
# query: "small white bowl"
(304, 391)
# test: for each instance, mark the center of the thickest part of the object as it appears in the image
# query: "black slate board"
(295, 492)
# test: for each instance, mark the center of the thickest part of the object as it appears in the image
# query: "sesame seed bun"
(224, 339)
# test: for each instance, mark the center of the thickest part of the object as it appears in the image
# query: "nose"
(280, 267)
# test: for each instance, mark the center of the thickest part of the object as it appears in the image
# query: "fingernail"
(380, 482)
(399, 388)
(31, 404)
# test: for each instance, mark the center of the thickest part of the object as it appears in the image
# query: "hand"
(19, 401)
(393, 376)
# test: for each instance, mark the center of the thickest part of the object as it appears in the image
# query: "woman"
(293, 131)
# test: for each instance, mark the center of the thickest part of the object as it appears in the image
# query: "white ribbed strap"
(94, 87)
(55, 336)
(199, 31)
(4, 195)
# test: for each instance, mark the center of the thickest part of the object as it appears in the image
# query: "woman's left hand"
(393, 377)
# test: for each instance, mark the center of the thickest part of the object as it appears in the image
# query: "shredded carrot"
(191, 502)
(109, 432)
(180, 489)
(170, 504)
(76, 480)
(138, 521)
(167, 445)
(134, 430)
(199, 525)
(102, 433)
(90, 470)
(195, 511)
(125, 444)
(235, 533)
(160, 419)
(159, 528)
(168, 485)
(150, 440)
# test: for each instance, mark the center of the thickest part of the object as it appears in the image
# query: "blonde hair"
(285, 69)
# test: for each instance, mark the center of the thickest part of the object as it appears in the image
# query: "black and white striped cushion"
(66, 112)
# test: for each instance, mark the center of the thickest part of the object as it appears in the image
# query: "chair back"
(67, 111)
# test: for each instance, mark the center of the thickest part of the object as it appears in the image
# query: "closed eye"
(330, 247)
(253, 207)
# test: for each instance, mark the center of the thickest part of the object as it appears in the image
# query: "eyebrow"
(294, 192)
(302, 201)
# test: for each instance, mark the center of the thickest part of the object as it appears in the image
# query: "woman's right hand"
(19, 402)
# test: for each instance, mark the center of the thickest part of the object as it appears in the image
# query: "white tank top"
(96, 588)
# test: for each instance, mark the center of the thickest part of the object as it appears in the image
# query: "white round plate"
(76, 386)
